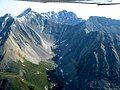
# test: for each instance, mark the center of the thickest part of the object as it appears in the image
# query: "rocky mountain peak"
(85, 60)
(62, 17)
(25, 12)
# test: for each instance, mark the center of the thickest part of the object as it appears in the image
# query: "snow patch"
(86, 30)
(66, 44)
(61, 70)
(63, 41)
(13, 35)
(96, 57)
(47, 69)
(50, 52)
(115, 53)
(60, 58)
(23, 64)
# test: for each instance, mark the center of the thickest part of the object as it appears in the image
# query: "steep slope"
(23, 58)
(91, 60)
(87, 53)
(98, 66)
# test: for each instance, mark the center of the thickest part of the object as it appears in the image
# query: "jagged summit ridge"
(86, 52)
(62, 17)
(25, 12)
(96, 23)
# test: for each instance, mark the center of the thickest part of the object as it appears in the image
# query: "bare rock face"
(87, 52)
(88, 58)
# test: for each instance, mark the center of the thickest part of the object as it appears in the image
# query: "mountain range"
(59, 51)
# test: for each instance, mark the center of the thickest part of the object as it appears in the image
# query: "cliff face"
(86, 51)
(88, 57)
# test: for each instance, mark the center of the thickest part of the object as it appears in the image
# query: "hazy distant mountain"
(77, 54)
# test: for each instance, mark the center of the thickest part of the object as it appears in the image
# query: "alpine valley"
(59, 51)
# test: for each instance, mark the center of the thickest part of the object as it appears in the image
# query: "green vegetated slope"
(26, 75)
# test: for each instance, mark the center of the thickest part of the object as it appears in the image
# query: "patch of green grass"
(27, 74)
(15, 80)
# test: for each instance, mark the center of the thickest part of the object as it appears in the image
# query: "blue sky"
(82, 10)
